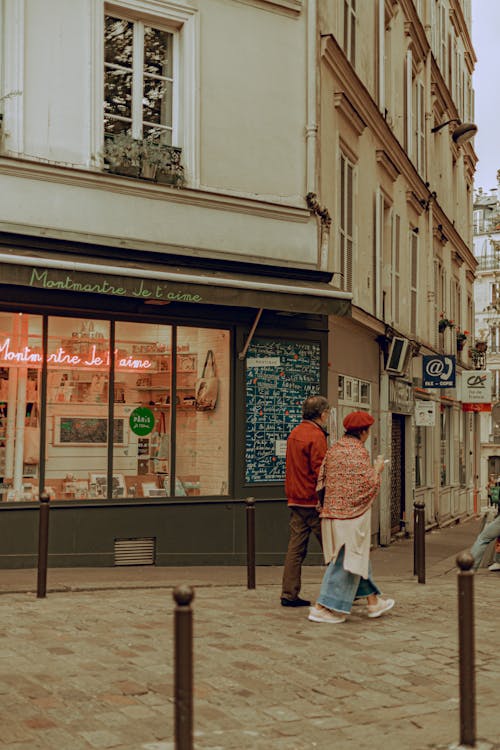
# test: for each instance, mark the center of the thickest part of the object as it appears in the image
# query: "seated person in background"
(490, 532)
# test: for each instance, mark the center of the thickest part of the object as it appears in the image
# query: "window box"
(149, 160)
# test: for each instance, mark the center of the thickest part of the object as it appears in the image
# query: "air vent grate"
(139, 551)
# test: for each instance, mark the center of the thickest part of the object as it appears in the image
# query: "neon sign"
(28, 356)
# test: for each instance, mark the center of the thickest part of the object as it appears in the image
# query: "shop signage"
(476, 387)
(439, 371)
(28, 356)
(425, 413)
(401, 396)
(142, 421)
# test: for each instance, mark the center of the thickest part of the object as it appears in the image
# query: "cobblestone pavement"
(82, 670)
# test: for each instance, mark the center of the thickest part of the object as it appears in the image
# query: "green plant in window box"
(444, 323)
(123, 154)
(169, 168)
(461, 339)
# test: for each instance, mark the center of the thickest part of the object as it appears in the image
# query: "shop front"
(149, 401)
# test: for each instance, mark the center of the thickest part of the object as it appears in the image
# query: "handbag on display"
(32, 437)
(207, 387)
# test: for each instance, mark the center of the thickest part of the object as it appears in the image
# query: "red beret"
(358, 420)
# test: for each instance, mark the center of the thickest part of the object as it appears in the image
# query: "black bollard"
(466, 649)
(43, 544)
(183, 632)
(250, 503)
(419, 540)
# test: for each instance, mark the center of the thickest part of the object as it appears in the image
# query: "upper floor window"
(346, 221)
(349, 45)
(139, 79)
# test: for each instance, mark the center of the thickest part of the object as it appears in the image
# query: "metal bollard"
(466, 649)
(183, 632)
(419, 540)
(250, 503)
(43, 544)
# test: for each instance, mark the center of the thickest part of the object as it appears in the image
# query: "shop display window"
(21, 360)
(166, 418)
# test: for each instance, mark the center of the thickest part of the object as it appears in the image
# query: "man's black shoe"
(298, 602)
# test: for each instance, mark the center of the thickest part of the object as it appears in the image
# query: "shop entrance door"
(398, 510)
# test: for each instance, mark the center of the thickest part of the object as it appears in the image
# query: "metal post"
(466, 649)
(250, 503)
(183, 631)
(419, 539)
(43, 544)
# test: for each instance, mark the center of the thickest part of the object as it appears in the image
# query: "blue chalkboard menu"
(280, 375)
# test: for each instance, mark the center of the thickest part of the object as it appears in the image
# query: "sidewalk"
(394, 561)
(91, 666)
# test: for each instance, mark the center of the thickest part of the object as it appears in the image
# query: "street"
(88, 669)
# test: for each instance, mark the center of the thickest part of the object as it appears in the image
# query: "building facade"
(397, 176)
(210, 210)
(486, 223)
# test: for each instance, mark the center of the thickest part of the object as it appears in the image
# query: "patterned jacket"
(351, 483)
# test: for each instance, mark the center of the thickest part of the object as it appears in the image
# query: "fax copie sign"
(439, 371)
(476, 387)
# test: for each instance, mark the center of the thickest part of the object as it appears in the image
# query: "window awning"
(162, 284)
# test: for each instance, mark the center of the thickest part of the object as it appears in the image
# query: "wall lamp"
(462, 133)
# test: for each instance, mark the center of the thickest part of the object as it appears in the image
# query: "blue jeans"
(339, 587)
(490, 532)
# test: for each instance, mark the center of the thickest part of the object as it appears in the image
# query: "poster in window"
(280, 375)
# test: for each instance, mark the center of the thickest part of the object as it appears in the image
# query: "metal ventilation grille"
(135, 551)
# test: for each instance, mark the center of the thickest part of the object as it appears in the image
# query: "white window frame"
(346, 234)
(349, 31)
(395, 267)
(13, 36)
(413, 279)
(409, 103)
(185, 21)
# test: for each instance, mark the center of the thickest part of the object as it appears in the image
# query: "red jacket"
(305, 449)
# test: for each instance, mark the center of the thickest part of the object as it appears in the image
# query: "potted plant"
(122, 154)
(169, 168)
(444, 323)
(481, 346)
(461, 339)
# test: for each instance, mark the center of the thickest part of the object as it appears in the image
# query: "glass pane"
(202, 412)
(158, 50)
(113, 127)
(117, 93)
(157, 102)
(77, 409)
(142, 397)
(158, 135)
(20, 370)
(118, 41)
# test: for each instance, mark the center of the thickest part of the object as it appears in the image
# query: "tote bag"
(207, 387)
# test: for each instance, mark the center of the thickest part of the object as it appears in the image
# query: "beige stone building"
(396, 177)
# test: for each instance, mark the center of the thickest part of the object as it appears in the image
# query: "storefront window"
(420, 457)
(445, 445)
(167, 422)
(461, 450)
(78, 370)
(20, 367)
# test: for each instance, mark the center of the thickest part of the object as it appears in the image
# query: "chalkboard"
(86, 431)
(280, 375)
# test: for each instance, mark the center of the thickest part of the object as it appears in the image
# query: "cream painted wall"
(245, 152)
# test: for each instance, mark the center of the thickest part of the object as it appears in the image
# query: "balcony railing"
(488, 263)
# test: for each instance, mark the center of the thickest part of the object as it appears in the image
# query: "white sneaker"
(324, 615)
(382, 606)
(494, 566)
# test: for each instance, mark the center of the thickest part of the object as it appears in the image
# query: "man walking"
(305, 449)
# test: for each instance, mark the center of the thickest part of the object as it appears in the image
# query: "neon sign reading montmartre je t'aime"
(27, 356)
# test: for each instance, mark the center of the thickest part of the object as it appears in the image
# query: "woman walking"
(351, 485)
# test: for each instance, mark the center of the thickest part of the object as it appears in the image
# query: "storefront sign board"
(439, 371)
